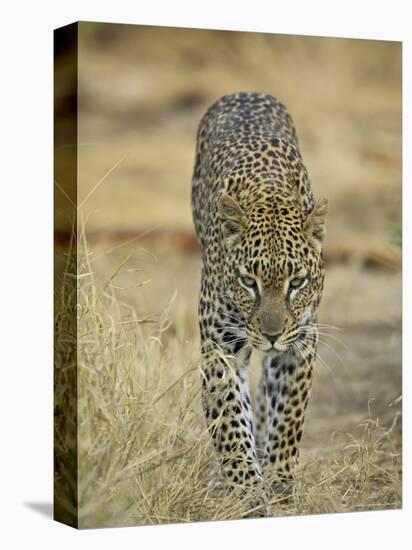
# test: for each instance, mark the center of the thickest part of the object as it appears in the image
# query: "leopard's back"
(232, 135)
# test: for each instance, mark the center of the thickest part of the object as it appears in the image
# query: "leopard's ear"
(315, 223)
(232, 217)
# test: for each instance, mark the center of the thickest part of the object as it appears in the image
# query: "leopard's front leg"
(261, 415)
(288, 383)
(226, 401)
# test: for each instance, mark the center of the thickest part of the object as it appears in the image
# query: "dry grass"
(144, 456)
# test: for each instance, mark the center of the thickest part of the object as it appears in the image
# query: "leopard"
(261, 235)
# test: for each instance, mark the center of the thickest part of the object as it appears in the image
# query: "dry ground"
(144, 453)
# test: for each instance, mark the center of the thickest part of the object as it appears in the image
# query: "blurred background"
(142, 92)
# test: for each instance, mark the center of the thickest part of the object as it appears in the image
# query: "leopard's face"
(273, 272)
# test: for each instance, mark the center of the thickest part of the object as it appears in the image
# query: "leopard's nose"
(272, 337)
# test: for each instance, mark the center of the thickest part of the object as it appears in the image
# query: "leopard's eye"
(297, 282)
(248, 282)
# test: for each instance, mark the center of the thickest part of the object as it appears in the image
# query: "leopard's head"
(273, 271)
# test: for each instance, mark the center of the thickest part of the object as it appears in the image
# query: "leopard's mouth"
(271, 348)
